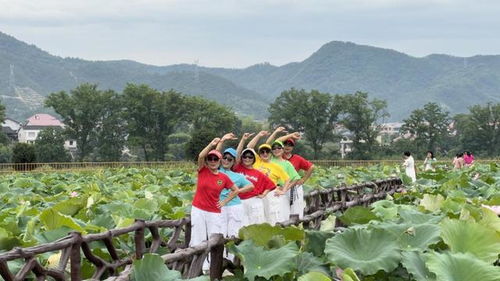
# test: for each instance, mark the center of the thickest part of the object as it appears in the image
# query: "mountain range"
(28, 74)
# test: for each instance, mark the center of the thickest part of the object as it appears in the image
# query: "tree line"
(167, 125)
(323, 117)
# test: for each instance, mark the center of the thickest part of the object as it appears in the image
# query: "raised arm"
(205, 151)
(256, 139)
(272, 137)
(295, 136)
(241, 145)
(228, 136)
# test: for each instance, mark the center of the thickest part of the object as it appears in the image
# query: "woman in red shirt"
(206, 207)
(253, 205)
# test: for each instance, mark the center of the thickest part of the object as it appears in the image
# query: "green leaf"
(385, 209)
(432, 202)
(308, 262)
(461, 267)
(71, 206)
(328, 224)
(416, 217)
(357, 215)
(471, 237)
(490, 219)
(258, 261)
(315, 241)
(261, 234)
(415, 264)
(152, 267)
(410, 236)
(349, 275)
(365, 250)
(52, 219)
(314, 276)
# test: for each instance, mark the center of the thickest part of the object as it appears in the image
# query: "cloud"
(244, 32)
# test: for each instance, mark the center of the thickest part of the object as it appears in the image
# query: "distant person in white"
(409, 165)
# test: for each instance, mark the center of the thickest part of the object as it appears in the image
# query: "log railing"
(148, 239)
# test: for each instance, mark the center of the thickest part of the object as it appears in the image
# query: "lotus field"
(443, 227)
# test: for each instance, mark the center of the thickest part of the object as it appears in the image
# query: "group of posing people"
(243, 186)
(461, 160)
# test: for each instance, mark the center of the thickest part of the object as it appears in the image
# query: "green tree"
(49, 146)
(479, 131)
(3, 137)
(23, 153)
(81, 111)
(152, 116)
(5, 153)
(111, 131)
(208, 120)
(313, 113)
(428, 126)
(362, 118)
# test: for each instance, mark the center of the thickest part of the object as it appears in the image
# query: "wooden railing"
(147, 239)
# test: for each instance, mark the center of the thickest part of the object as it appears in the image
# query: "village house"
(10, 127)
(28, 132)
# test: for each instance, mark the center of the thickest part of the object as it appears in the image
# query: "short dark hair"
(406, 153)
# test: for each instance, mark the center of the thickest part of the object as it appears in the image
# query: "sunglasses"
(277, 147)
(227, 158)
(265, 151)
(213, 159)
(247, 157)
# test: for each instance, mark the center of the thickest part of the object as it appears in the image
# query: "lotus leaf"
(471, 237)
(308, 262)
(357, 215)
(261, 234)
(415, 264)
(314, 276)
(258, 261)
(315, 241)
(365, 250)
(461, 267)
(432, 202)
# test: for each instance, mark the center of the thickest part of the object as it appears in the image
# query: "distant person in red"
(296, 194)
(206, 208)
(468, 158)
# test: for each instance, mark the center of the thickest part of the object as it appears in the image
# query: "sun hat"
(277, 142)
(215, 152)
(231, 151)
(263, 146)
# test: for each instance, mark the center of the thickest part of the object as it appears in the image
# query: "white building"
(11, 127)
(28, 133)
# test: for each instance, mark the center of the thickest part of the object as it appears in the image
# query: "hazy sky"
(241, 33)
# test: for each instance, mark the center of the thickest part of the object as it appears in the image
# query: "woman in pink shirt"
(468, 158)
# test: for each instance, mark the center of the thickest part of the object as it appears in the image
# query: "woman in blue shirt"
(232, 212)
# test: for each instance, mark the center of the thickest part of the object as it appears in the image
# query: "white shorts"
(253, 211)
(232, 219)
(298, 206)
(276, 208)
(203, 224)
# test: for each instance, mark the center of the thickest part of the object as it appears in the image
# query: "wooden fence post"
(216, 256)
(75, 259)
(140, 245)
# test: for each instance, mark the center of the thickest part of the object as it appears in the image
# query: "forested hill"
(27, 74)
(406, 82)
